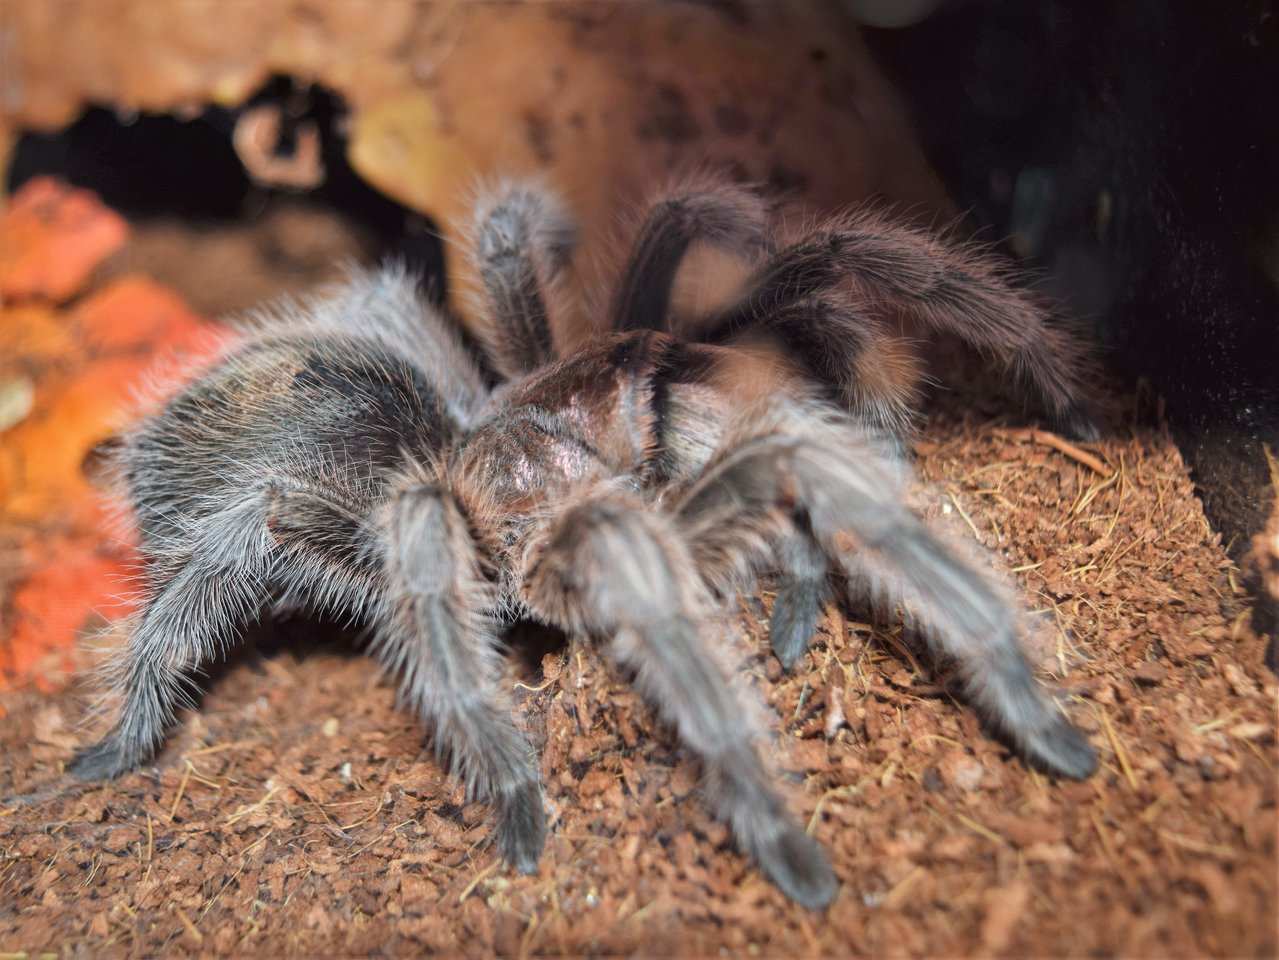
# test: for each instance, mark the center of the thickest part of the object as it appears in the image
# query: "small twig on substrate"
(1061, 445)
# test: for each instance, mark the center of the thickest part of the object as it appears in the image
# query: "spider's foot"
(794, 620)
(1060, 749)
(796, 864)
(105, 760)
(521, 827)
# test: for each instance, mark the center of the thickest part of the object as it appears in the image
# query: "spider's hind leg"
(785, 462)
(287, 534)
(608, 567)
(198, 600)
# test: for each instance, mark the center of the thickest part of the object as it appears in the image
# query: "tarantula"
(351, 457)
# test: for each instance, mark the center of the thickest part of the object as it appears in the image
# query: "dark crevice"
(157, 166)
(1127, 152)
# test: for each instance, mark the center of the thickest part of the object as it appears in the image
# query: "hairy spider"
(349, 456)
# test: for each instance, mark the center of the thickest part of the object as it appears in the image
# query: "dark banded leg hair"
(730, 218)
(946, 287)
(875, 376)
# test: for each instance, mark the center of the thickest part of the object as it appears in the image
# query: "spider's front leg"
(439, 637)
(522, 241)
(786, 470)
(608, 567)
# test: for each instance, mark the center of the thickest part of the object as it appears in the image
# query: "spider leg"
(523, 241)
(200, 597)
(608, 567)
(784, 464)
(802, 592)
(326, 560)
(948, 288)
(442, 643)
(727, 216)
(875, 375)
(288, 534)
(689, 432)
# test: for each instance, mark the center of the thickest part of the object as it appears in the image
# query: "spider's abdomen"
(336, 413)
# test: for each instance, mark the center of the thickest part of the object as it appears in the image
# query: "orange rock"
(117, 333)
(52, 237)
(73, 580)
(95, 371)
